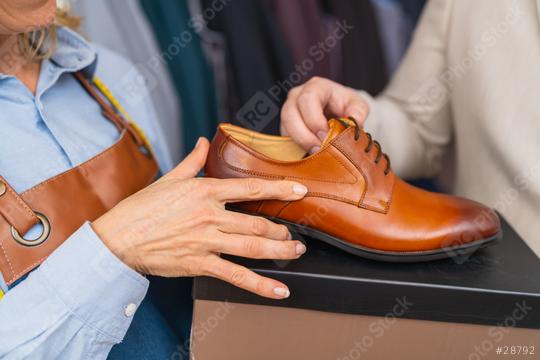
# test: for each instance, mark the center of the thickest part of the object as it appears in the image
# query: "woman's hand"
(178, 226)
(304, 115)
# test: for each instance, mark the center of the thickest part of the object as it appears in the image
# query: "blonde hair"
(41, 44)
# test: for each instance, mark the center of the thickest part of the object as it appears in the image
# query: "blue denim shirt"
(81, 300)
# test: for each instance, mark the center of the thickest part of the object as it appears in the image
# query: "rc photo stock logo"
(462, 248)
(377, 329)
(258, 112)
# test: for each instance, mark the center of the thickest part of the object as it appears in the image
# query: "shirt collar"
(73, 53)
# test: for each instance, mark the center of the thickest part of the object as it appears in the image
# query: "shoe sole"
(459, 251)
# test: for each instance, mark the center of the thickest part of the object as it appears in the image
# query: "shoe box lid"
(499, 285)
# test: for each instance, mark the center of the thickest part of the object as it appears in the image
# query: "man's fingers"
(357, 108)
(244, 278)
(235, 190)
(193, 163)
(293, 125)
(282, 129)
(238, 223)
(312, 103)
(306, 111)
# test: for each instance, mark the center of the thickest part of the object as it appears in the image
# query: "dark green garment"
(192, 75)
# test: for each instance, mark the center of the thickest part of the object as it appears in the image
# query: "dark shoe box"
(499, 285)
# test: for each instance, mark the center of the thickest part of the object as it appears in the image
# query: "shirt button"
(130, 309)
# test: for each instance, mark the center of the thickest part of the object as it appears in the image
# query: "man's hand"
(305, 113)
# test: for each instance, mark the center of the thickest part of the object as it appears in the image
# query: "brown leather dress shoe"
(354, 200)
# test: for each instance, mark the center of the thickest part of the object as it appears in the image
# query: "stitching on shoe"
(332, 197)
(338, 145)
(272, 176)
(266, 159)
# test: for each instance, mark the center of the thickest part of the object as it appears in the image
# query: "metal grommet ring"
(41, 239)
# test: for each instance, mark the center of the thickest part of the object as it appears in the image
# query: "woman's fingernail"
(321, 135)
(289, 236)
(314, 149)
(300, 249)
(299, 189)
(282, 292)
(198, 142)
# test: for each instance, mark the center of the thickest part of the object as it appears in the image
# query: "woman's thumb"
(194, 162)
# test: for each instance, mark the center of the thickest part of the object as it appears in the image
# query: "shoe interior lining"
(275, 147)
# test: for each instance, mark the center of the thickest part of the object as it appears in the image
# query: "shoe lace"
(370, 145)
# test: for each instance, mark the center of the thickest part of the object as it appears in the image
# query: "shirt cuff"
(95, 285)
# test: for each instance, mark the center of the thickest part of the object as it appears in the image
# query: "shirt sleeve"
(76, 305)
(412, 118)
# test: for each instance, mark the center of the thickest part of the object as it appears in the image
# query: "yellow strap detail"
(108, 94)
(1, 294)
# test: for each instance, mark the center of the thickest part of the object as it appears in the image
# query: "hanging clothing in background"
(412, 8)
(192, 75)
(258, 58)
(215, 49)
(303, 27)
(363, 62)
(249, 50)
(121, 26)
(395, 28)
(335, 55)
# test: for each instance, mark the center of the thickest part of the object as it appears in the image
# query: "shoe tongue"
(336, 128)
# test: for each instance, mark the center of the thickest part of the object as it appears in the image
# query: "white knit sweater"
(466, 102)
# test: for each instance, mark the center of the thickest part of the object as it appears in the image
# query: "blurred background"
(209, 61)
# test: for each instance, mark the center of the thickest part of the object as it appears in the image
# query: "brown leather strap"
(14, 209)
(107, 109)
